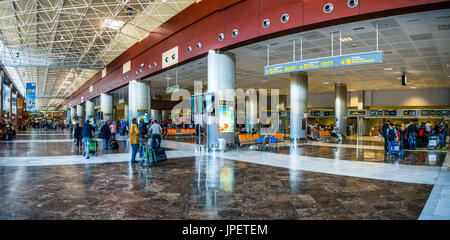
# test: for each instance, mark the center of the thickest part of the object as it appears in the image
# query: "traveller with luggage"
(134, 139)
(86, 134)
(156, 130)
(391, 135)
(77, 136)
(142, 136)
(384, 129)
(105, 134)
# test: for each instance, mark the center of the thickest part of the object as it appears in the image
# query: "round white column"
(221, 77)
(299, 106)
(106, 106)
(80, 113)
(340, 107)
(90, 109)
(139, 99)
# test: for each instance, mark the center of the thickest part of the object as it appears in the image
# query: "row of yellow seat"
(180, 131)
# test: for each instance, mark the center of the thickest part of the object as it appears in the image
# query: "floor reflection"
(203, 187)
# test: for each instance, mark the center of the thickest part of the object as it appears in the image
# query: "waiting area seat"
(321, 135)
(247, 139)
(181, 132)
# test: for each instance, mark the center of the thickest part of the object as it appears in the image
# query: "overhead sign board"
(172, 89)
(327, 62)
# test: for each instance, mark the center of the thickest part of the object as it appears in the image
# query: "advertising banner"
(14, 103)
(6, 98)
(31, 96)
(226, 117)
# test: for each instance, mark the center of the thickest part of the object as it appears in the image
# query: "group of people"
(411, 133)
(7, 131)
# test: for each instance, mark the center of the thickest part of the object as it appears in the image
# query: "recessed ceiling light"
(387, 52)
(263, 81)
(388, 69)
(326, 83)
(412, 87)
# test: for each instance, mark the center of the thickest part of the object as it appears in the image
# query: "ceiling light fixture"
(388, 69)
(113, 24)
(346, 39)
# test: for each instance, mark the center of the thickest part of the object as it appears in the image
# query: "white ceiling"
(62, 43)
(418, 44)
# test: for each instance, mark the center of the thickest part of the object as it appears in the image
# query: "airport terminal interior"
(225, 109)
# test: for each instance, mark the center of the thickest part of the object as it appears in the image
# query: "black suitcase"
(114, 145)
(161, 155)
(157, 155)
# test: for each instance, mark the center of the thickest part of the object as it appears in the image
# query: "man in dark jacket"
(143, 135)
(86, 134)
(384, 134)
(77, 135)
(105, 134)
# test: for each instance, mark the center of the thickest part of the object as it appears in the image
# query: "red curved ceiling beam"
(204, 21)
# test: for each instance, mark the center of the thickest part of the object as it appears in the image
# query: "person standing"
(105, 134)
(113, 129)
(86, 134)
(142, 135)
(123, 125)
(156, 130)
(392, 137)
(384, 129)
(134, 139)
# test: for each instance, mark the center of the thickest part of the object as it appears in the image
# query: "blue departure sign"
(327, 62)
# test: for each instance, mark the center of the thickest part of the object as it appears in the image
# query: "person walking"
(113, 129)
(105, 134)
(384, 129)
(142, 135)
(156, 130)
(134, 139)
(77, 135)
(86, 134)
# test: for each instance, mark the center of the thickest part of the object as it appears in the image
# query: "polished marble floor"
(366, 155)
(203, 187)
(42, 177)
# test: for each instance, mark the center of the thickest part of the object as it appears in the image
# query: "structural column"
(80, 113)
(251, 110)
(125, 112)
(72, 113)
(106, 106)
(10, 103)
(165, 115)
(299, 106)
(156, 115)
(90, 109)
(340, 107)
(221, 79)
(1, 94)
(139, 99)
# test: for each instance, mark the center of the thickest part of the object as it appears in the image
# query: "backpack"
(391, 135)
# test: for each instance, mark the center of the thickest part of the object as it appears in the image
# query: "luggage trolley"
(93, 145)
